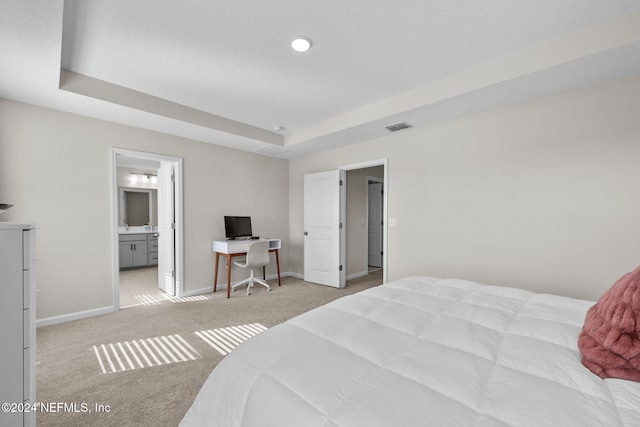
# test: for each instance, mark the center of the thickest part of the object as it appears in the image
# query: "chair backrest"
(258, 254)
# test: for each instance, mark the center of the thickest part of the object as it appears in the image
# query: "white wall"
(541, 195)
(55, 169)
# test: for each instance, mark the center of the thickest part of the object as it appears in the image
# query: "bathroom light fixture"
(143, 178)
(301, 44)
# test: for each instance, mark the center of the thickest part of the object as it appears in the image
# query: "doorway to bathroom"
(147, 224)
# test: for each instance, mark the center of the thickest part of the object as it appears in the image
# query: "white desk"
(231, 248)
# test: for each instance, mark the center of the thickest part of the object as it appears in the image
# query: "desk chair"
(257, 256)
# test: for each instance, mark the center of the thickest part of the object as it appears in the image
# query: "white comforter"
(420, 351)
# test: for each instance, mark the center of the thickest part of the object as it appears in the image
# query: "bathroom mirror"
(136, 207)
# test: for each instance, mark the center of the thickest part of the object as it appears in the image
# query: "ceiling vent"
(398, 126)
(271, 151)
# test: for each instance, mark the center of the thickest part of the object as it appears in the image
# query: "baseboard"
(47, 321)
(349, 277)
(223, 286)
(201, 291)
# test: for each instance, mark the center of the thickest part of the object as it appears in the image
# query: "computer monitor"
(237, 226)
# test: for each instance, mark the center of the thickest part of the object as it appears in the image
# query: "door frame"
(343, 236)
(178, 209)
(370, 180)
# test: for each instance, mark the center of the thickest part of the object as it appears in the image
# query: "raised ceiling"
(223, 71)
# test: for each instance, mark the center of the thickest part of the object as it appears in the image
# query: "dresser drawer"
(26, 289)
(28, 246)
(26, 370)
(26, 328)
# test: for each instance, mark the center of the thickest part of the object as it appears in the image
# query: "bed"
(419, 351)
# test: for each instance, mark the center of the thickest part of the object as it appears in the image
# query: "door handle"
(306, 234)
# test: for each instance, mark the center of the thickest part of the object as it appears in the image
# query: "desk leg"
(278, 265)
(228, 276)
(215, 274)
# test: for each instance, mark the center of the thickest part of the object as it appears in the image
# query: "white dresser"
(17, 323)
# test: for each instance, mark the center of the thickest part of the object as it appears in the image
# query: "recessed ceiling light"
(278, 128)
(301, 44)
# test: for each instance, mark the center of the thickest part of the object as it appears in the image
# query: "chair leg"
(249, 282)
(250, 279)
(265, 284)
(242, 283)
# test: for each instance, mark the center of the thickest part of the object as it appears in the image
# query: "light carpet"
(144, 365)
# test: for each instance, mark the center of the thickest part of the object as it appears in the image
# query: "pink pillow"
(610, 338)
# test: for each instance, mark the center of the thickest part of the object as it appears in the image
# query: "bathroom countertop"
(136, 230)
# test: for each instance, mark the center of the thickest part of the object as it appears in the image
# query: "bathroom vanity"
(138, 248)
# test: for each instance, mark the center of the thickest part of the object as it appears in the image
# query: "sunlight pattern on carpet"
(146, 299)
(144, 353)
(187, 299)
(226, 339)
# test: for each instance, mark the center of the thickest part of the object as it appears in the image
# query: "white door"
(375, 224)
(322, 229)
(166, 229)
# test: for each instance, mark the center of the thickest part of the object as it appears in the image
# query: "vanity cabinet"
(133, 250)
(153, 249)
(138, 249)
(17, 323)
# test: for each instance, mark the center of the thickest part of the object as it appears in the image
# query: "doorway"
(147, 228)
(377, 171)
(364, 222)
(335, 224)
